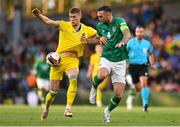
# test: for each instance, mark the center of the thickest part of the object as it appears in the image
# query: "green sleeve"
(123, 24)
(35, 67)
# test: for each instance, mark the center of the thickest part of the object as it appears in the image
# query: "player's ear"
(80, 15)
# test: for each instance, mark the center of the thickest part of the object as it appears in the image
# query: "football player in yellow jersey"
(73, 35)
(92, 71)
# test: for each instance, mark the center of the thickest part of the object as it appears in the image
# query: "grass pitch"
(89, 116)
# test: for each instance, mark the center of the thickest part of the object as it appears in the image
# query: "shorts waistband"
(69, 54)
(145, 64)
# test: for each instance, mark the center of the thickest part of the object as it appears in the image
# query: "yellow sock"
(49, 98)
(71, 93)
(99, 90)
(99, 95)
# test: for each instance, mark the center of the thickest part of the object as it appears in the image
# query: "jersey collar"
(78, 28)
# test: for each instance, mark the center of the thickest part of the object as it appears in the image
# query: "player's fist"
(119, 45)
(36, 11)
(102, 40)
(83, 38)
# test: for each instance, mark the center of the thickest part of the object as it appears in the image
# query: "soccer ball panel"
(53, 59)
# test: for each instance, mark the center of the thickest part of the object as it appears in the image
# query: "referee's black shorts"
(138, 70)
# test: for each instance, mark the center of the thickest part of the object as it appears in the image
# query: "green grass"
(89, 116)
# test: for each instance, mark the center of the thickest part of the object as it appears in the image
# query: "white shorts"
(117, 70)
(43, 84)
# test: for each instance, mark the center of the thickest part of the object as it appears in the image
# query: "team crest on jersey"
(144, 50)
(113, 29)
(45, 67)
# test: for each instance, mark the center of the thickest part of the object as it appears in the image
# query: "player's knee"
(100, 87)
(101, 76)
(143, 85)
(54, 89)
(73, 78)
(137, 89)
(54, 85)
(53, 92)
(119, 95)
(43, 90)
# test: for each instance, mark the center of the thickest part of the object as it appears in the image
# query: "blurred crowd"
(16, 63)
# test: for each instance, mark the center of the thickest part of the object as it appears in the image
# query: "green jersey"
(42, 69)
(113, 33)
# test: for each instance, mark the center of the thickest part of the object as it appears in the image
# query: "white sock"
(129, 102)
(68, 107)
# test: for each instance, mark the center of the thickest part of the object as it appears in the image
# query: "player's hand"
(83, 38)
(119, 45)
(36, 11)
(102, 40)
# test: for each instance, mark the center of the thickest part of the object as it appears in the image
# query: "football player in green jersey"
(113, 34)
(41, 70)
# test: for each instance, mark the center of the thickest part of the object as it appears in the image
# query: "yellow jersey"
(70, 39)
(94, 60)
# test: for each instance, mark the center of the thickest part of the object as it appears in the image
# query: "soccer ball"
(53, 59)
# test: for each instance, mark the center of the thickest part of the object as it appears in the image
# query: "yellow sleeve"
(90, 31)
(62, 25)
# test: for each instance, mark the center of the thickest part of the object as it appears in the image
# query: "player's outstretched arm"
(125, 39)
(93, 39)
(44, 18)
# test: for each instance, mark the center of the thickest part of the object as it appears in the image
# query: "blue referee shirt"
(138, 51)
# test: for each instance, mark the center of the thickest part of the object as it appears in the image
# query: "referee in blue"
(140, 55)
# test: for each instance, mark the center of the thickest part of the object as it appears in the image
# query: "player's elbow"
(129, 36)
(48, 23)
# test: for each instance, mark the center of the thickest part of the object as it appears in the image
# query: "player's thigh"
(102, 73)
(104, 68)
(143, 75)
(55, 77)
(72, 67)
(118, 89)
(133, 71)
(56, 72)
(72, 72)
(118, 72)
(54, 85)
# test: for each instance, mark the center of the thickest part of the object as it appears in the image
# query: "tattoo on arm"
(93, 39)
(126, 37)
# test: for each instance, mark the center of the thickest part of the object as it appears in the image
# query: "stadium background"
(22, 37)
